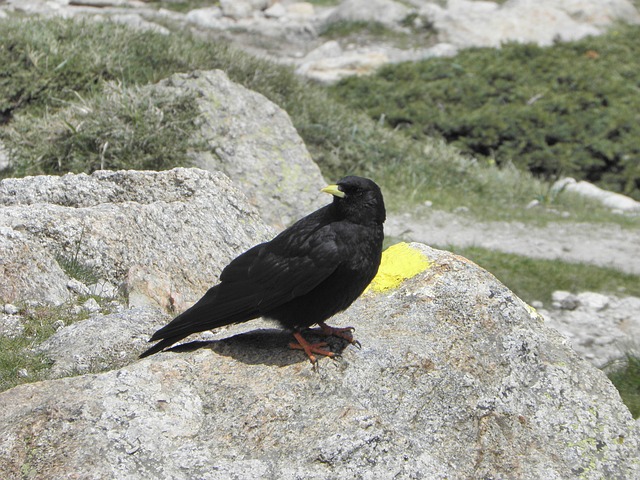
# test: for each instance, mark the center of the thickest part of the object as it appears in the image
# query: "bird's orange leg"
(310, 348)
(345, 333)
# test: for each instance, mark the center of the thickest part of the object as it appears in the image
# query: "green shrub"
(570, 109)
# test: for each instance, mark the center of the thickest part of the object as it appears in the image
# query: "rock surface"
(467, 23)
(102, 342)
(152, 233)
(612, 200)
(456, 378)
(253, 141)
(11, 326)
(386, 12)
(27, 271)
(600, 328)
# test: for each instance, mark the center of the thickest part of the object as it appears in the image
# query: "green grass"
(125, 128)
(625, 375)
(17, 355)
(534, 279)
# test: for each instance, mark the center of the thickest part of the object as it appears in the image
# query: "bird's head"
(358, 199)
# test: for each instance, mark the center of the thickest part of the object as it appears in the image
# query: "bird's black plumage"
(312, 270)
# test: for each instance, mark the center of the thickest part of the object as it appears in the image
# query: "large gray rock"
(457, 378)
(27, 270)
(102, 342)
(163, 236)
(253, 141)
(612, 200)
(386, 12)
(330, 62)
(600, 328)
(466, 23)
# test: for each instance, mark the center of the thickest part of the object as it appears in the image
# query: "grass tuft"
(19, 361)
(124, 128)
(625, 375)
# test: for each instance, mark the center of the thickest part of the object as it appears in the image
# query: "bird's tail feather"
(167, 342)
(216, 309)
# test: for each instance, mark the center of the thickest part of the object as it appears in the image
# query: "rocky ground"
(291, 32)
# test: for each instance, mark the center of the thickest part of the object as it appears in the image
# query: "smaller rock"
(91, 306)
(332, 67)
(328, 49)
(205, 17)
(104, 3)
(10, 309)
(533, 204)
(239, 9)
(592, 300)
(612, 200)
(58, 324)
(277, 10)
(104, 289)
(564, 300)
(11, 326)
(301, 9)
(537, 304)
(77, 287)
(442, 49)
(136, 21)
(23, 373)
(600, 328)
(387, 12)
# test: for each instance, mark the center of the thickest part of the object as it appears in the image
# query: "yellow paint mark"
(399, 263)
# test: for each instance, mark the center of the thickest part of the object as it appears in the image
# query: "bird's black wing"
(264, 277)
(285, 268)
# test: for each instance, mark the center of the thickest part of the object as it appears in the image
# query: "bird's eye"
(351, 190)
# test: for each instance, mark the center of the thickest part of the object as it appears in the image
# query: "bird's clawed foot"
(345, 333)
(311, 348)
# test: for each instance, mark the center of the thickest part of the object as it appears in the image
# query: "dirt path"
(606, 246)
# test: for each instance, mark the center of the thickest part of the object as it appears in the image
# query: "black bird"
(312, 270)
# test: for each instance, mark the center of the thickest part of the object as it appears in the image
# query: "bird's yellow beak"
(333, 190)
